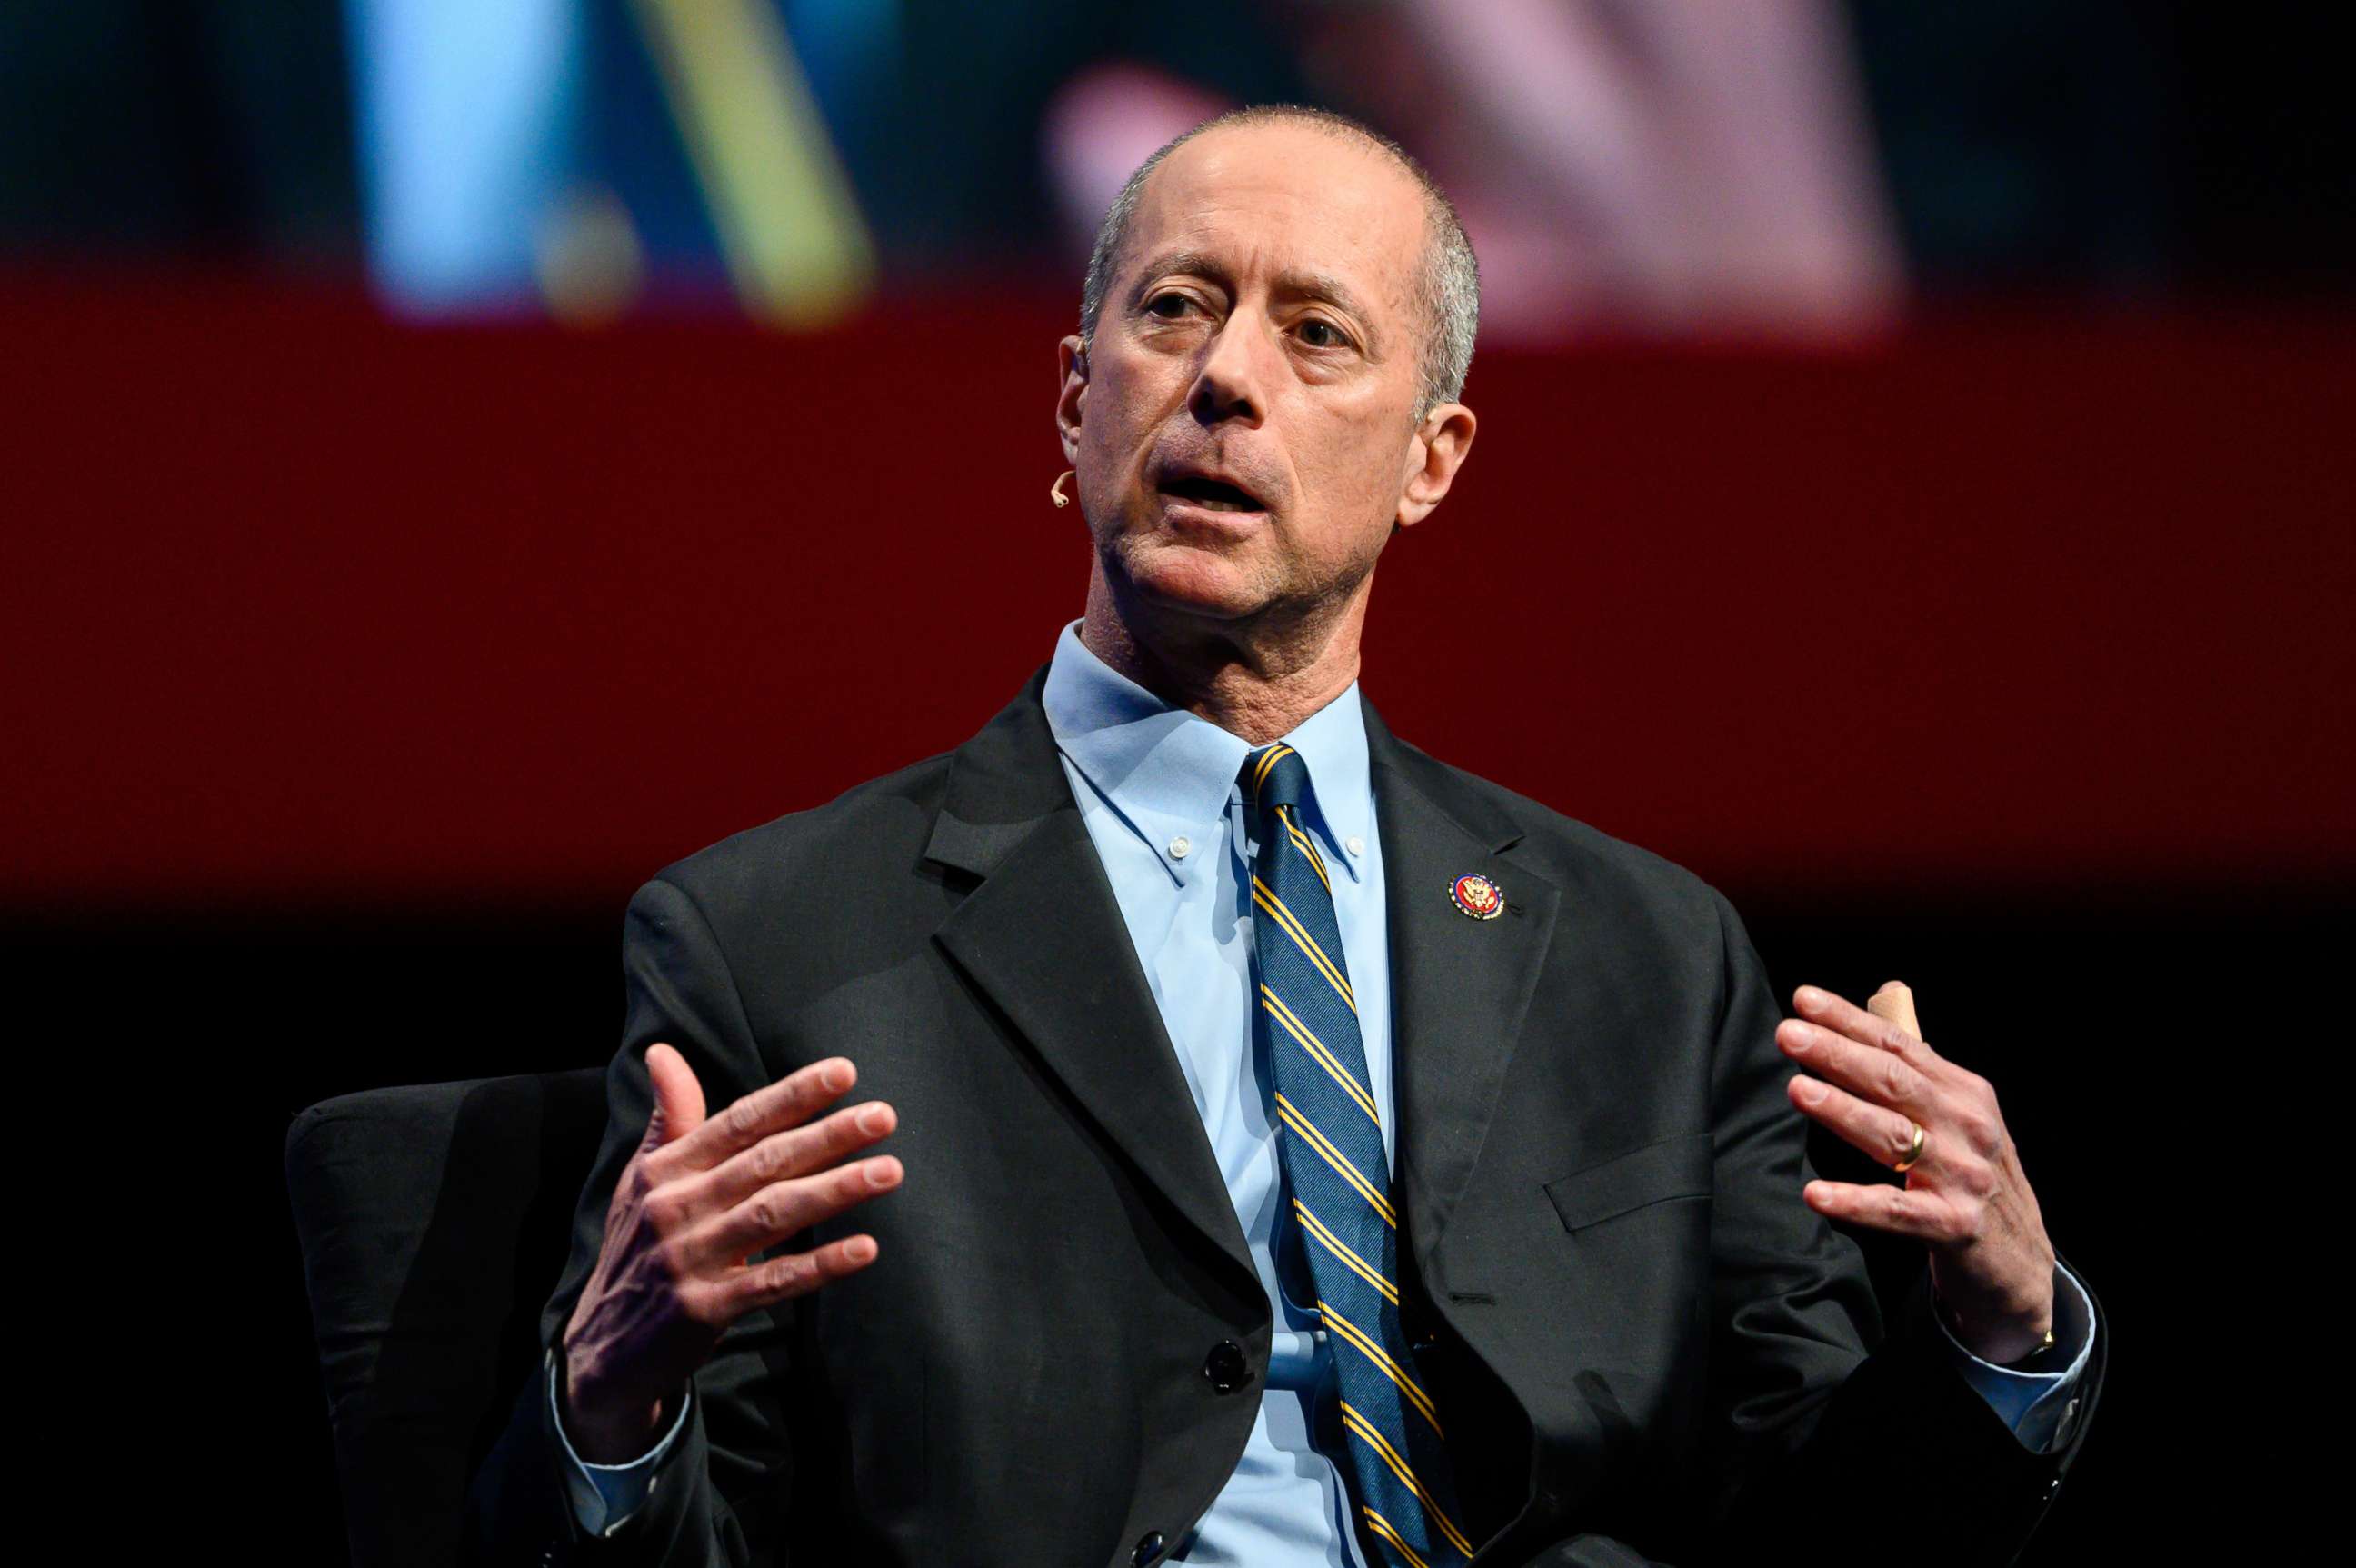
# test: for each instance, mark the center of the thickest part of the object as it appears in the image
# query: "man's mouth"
(1212, 495)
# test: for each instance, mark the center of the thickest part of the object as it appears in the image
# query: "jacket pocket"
(1672, 1169)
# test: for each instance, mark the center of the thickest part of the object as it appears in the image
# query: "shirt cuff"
(606, 1496)
(2041, 1408)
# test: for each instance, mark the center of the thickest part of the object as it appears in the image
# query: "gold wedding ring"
(1914, 1154)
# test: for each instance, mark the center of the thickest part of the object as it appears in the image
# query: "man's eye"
(1169, 306)
(1323, 335)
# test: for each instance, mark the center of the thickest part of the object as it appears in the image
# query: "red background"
(304, 607)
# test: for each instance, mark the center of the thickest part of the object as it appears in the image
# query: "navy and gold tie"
(1331, 1151)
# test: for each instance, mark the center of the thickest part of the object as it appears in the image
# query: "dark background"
(2160, 1165)
(352, 672)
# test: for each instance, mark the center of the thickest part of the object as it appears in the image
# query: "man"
(1313, 1154)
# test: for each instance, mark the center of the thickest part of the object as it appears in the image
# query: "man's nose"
(1230, 383)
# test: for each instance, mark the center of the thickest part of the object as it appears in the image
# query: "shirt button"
(1225, 1368)
(1355, 845)
(1148, 1549)
(1179, 846)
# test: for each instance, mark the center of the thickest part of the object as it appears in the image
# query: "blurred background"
(464, 455)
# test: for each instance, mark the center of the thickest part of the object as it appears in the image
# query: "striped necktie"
(1331, 1153)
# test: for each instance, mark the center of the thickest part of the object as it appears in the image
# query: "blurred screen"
(1784, 168)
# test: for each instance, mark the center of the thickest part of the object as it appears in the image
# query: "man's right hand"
(696, 1201)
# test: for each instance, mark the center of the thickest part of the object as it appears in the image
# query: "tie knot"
(1275, 776)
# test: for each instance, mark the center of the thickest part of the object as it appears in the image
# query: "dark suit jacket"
(1646, 1344)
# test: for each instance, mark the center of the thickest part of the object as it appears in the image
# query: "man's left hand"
(1964, 1198)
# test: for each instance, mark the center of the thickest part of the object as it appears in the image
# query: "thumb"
(1894, 1003)
(678, 1099)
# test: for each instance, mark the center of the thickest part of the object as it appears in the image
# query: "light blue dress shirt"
(1156, 787)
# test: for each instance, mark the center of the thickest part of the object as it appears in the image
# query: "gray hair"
(1449, 287)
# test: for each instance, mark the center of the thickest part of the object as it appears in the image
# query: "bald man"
(1271, 1145)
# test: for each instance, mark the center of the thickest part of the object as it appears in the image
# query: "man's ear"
(1072, 365)
(1439, 449)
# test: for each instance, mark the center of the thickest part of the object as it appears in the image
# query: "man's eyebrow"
(1198, 262)
(1323, 287)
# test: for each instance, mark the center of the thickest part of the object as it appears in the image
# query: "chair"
(434, 1221)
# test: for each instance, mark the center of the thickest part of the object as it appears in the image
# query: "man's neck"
(1258, 685)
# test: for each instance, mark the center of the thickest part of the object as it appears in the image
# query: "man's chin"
(1191, 582)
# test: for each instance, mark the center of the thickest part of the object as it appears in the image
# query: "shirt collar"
(1170, 774)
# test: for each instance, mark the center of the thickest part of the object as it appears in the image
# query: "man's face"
(1245, 427)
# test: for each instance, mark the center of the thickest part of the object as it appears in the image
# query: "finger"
(678, 1099)
(789, 1103)
(1902, 1212)
(784, 1208)
(796, 1151)
(1884, 1134)
(1894, 1003)
(797, 1273)
(1822, 1008)
(1870, 1074)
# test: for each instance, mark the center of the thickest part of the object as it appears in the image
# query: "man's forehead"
(1299, 197)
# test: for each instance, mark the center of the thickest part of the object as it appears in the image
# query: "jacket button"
(1148, 1549)
(1225, 1369)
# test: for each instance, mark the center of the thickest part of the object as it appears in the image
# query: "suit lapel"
(1043, 938)
(1460, 987)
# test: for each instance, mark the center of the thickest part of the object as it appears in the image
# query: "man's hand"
(1967, 1198)
(696, 1201)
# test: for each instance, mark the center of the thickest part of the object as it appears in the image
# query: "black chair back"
(434, 1221)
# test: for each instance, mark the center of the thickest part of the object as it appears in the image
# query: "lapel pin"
(1478, 897)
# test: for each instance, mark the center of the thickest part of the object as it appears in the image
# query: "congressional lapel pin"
(1478, 897)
